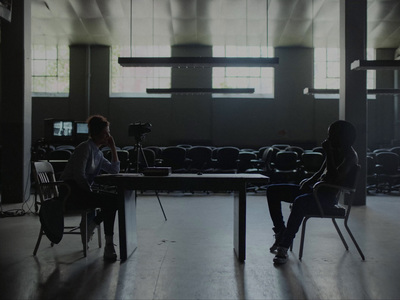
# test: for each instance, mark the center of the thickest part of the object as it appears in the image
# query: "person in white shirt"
(87, 161)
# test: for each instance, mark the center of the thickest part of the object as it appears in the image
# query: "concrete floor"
(191, 256)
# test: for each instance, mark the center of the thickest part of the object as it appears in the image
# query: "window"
(50, 70)
(128, 82)
(261, 79)
(327, 69)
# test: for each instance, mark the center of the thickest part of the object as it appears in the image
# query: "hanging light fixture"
(197, 91)
(311, 91)
(375, 65)
(195, 62)
(200, 62)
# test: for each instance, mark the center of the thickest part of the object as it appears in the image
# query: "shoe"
(282, 256)
(278, 239)
(109, 253)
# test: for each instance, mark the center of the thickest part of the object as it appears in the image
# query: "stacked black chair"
(286, 168)
(387, 169)
(246, 161)
(199, 159)
(174, 157)
(311, 162)
(226, 160)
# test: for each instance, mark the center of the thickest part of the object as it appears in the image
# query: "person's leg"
(277, 193)
(108, 203)
(302, 206)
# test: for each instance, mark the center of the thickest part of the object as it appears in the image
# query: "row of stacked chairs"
(281, 162)
(383, 170)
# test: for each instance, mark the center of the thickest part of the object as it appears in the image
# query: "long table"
(128, 183)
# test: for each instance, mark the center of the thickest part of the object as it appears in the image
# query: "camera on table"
(138, 130)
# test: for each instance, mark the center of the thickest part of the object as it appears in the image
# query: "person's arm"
(337, 174)
(112, 167)
(307, 183)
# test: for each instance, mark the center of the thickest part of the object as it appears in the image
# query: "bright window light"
(50, 70)
(261, 79)
(128, 82)
(327, 68)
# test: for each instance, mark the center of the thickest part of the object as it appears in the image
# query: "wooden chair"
(52, 208)
(337, 212)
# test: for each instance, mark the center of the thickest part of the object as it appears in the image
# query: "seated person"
(340, 159)
(86, 162)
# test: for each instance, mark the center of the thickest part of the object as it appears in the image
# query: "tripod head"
(139, 130)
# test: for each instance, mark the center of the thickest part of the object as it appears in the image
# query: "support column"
(353, 90)
(16, 103)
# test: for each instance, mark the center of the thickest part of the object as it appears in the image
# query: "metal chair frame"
(48, 190)
(339, 212)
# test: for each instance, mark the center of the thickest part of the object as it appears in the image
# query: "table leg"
(127, 223)
(239, 231)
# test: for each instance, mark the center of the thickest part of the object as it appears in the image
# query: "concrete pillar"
(353, 91)
(16, 103)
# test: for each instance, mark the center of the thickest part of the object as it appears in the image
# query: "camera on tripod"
(138, 130)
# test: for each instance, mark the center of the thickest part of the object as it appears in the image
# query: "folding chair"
(52, 208)
(337, 212)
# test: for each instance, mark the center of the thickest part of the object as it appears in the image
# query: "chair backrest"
(312, 161)
(44, 174)
(157, 150)
(227, 157)
(281, 146)
(245, 161)
(61, 154)
(395, 150)
(52, 208)
(268, 157)
(286, 160)
(174, 157)
(70, 148)
(388, 162)
(297, 149)
(261, 151)
(200, 157)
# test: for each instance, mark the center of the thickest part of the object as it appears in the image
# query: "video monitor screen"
(62, 128)
(82, 128)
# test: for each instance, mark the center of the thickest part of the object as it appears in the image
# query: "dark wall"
(290, 117)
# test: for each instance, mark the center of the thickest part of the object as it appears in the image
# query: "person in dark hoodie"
(340, 160)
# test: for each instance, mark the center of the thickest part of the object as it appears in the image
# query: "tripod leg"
(162, 208)
(140, 148)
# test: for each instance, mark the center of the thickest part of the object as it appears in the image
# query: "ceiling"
(309, 23)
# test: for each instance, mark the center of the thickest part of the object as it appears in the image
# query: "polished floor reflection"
(191, 256)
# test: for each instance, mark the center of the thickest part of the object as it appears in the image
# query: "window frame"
(371, 75)
(139, 51)
(243, 51)
(45, 56)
